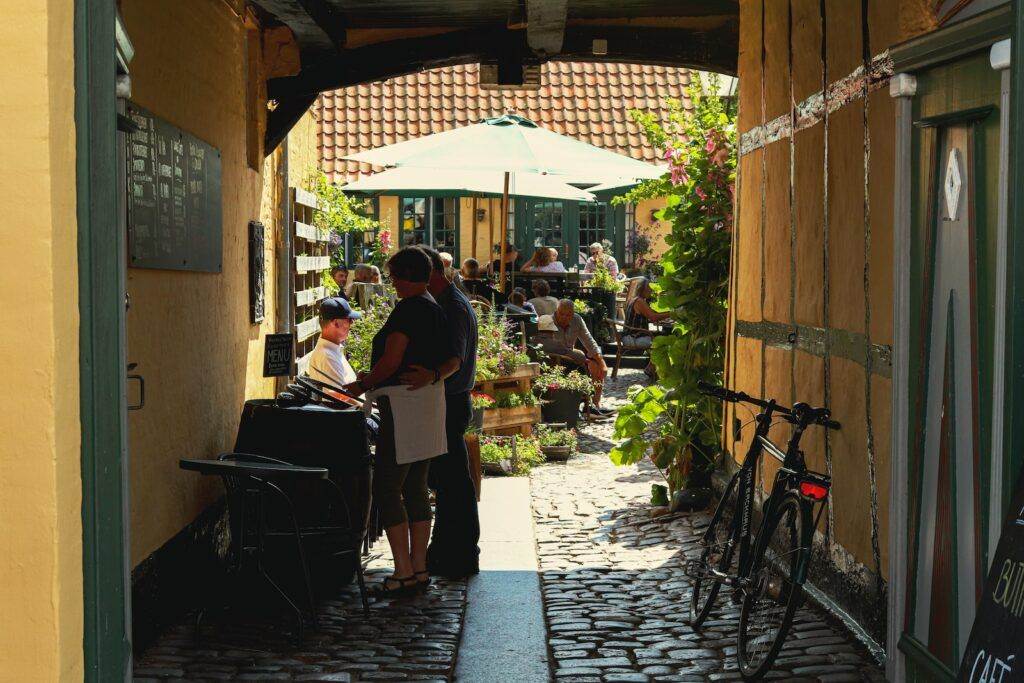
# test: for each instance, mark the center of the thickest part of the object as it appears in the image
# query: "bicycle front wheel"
(717, 554)
(775, 587)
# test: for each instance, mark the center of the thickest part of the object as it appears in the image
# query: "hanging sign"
(995, 651)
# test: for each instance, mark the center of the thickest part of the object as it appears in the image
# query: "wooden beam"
(329, 21)
(312, 38)
(395, 58)
(709, 50)
(545, 28)
(285, 115)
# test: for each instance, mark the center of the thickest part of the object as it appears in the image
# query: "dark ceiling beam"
(312, 38)
(283, 119)
(394, 58)
(545, 28)
(330, 22)
(714, 50)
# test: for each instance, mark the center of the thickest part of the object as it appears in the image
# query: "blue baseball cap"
(335, 307)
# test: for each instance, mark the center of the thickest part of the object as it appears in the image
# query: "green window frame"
(430, 220)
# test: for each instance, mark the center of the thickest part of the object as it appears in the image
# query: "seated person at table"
(361, 273)
(511, 260)
(543, 302)
(639, 316)
(453, 276)
(598, 258)
(570, 330)
(474, 284)
(340, 276)
(544, 260)
(328, 362)
(518, 298)
(375, 276)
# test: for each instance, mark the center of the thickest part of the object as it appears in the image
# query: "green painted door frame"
(107, 647)
(1014, 367)
(525, 236)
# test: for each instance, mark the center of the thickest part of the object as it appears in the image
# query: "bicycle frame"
(793, 470)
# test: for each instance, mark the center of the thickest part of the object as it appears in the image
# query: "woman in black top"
(415, 334)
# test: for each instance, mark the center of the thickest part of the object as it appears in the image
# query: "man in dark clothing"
(453, 550)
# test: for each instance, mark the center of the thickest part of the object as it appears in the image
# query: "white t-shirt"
(328, 364)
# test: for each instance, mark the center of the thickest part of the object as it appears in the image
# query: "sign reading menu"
(277, 355)
(174, 199)
(995, 651)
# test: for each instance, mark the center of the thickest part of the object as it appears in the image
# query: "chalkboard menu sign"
(277, 355)
(174, 202)
(995, 651)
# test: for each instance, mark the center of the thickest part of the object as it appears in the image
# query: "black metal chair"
(261, 498)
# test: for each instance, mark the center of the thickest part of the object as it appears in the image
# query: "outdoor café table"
(249, 483)
(315, 436)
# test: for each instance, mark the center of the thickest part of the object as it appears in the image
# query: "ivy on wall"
(700, 148)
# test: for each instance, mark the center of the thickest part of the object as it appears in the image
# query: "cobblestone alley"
(614, 598)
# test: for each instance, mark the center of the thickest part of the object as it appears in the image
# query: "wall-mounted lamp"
(481, 214)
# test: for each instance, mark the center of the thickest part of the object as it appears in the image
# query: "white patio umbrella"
(510, 144)
(463, 181)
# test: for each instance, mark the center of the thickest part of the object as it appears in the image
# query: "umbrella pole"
(475, 224)
(504, 235)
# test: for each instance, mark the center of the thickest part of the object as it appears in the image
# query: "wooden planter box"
(521, 380)
(509, 418)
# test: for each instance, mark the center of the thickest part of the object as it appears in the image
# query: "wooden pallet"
(519, 381)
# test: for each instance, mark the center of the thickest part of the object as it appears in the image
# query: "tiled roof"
(586, 100)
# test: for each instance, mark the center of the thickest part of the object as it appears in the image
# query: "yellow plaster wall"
(40, 481)
(656, 230)
(190, 332)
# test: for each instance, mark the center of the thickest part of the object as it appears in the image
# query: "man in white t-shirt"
(328, 362)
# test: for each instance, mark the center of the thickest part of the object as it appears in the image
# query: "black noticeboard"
(995, 650)
(174, 197)
(277, 355)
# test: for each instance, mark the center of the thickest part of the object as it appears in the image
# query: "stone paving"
(407, 640)
(616, 597)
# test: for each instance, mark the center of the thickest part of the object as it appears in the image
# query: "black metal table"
(263, 496)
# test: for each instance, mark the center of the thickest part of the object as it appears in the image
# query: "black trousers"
(453, 547)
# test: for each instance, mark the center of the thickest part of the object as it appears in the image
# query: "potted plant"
(557, 442)
(511, 408)
(481, 402)
(563, 391)
(605, 288)
(509, 455)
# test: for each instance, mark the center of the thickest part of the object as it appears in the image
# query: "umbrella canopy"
(462, 181)
(510, 143)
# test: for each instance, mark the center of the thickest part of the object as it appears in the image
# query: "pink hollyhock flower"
(701, 193)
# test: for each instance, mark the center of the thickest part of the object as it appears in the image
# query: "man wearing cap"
(328, 362)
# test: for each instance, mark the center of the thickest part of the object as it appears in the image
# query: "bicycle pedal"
(694, 569)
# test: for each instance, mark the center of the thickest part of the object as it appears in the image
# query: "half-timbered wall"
(811, 292)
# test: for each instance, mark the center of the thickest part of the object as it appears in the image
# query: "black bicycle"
(767, 577)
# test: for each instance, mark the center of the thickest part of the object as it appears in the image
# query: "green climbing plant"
(700, 148)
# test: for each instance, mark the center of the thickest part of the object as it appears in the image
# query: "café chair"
(620, 331)
(262, 511)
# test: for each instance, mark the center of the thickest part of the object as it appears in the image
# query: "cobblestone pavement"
(408, 640)
(616, 597)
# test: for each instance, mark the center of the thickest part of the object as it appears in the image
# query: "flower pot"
(562, 405)
(478, 418)
(556, 453)
(659, 495)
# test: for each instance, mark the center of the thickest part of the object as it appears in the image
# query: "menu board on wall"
(995, 651)
(174, 197)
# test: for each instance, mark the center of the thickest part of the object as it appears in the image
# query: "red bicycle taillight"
(809, 489)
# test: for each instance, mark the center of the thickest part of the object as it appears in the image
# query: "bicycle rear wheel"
(717, 554)
(775, 589)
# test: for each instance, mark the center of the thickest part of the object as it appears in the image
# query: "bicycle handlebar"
(800, 413)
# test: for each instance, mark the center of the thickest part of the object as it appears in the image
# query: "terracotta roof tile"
(587, 100)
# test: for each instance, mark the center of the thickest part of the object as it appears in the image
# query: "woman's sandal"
(422, 580)
(394, 587)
